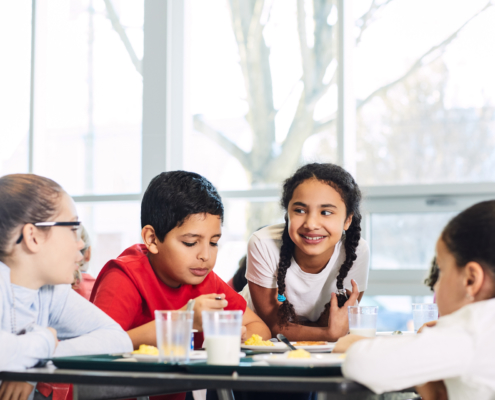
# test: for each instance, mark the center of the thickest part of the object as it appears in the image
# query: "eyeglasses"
(50, 224)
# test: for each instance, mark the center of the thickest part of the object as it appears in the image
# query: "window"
(425, 92)
(15, 29)
(88, 95)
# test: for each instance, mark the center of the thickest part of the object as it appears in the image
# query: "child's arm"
(392, 363)
(266, 305)
(82, 327)
(254, 325)
(146, 334)
(24, 351)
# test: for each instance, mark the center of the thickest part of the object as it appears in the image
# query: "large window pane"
(405, 241)
(15, 46)
(425, 91)
(263, 89)
(89, 95)
(112, 227)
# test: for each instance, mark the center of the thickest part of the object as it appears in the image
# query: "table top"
(185, 382)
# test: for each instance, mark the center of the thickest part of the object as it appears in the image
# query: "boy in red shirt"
(181, 219)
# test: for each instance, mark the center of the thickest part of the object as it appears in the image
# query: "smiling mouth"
(313, 237)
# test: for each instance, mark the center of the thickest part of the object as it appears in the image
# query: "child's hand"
(54, 333)
(207, 302)
(345, 342)
(430, 324)
(15, 390)
(338, 320)
(433, 391)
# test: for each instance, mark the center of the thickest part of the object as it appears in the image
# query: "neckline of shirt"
(325, 271)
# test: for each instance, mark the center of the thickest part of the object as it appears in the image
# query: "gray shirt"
(82, 328)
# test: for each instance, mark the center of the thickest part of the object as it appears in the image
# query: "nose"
(204, 253)
(80, 244)
(311, 222)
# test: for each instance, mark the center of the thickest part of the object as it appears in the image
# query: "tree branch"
(427, 58)
(368, 17)
(117, 26)
(230, 147)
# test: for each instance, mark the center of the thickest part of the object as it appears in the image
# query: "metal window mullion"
(346, 113)
(31, 89)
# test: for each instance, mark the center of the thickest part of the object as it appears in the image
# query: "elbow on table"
(365, 371)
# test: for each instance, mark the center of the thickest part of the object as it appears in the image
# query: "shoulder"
(363, 248)
(271, 232)
(132, 261)
(269, 238)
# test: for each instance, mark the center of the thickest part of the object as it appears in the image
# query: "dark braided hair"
(343, 182)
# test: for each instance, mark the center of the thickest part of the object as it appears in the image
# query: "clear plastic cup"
(362, 320)
(222, 331)
(173, 335)
(424, 312)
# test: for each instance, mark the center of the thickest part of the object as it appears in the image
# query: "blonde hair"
(83, 264)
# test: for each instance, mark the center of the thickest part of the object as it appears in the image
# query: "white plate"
(282, 348)
(389, 333)
(319, 360)
(194, 355)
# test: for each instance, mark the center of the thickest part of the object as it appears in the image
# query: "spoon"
(190, 305)
(283, 339)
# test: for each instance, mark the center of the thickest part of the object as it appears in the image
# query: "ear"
(149, 239)
(473, 278)
(32, 238)
(348, 222)
(87, 254)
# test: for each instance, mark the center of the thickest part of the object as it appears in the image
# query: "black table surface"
(180, 382)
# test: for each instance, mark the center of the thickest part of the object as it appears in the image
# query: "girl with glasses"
(40, 249)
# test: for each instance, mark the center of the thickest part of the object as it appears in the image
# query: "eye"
(326, 212)
(214, 244)
(299, 211)
(189, 244)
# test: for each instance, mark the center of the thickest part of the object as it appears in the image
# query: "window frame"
(165, 73)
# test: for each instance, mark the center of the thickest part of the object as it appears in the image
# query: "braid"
(351, 243)
(286, 312)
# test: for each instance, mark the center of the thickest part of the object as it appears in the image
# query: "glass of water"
(362, 320)
(422, 313)
(173, 335)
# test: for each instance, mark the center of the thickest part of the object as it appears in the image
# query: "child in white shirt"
(455, 357)
(300, 273)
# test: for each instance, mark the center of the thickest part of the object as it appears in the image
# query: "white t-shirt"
(460, 350)
(307, 292)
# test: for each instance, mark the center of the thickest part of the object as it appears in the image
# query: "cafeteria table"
(100, 385)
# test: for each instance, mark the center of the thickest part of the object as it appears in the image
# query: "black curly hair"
(343, 182)
(470, 236)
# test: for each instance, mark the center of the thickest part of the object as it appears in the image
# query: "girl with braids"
(303, 274)
(453, 358)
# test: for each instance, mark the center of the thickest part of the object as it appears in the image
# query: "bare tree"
(260, 163)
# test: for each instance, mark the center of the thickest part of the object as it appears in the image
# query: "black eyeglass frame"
(48, 225)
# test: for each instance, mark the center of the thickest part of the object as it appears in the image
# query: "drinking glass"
(424, 312)
(222, 331)
(362, 320)
(173, 335)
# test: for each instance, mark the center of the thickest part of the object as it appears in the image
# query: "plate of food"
(301, 357)
(150, 354)
(256, 343)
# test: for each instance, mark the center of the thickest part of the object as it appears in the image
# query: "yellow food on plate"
(299, 353)
(257, 340)
(145, 349)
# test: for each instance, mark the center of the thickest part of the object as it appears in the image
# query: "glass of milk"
(424, 312)
(222, 331)
(362, 320)
(173, 335)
